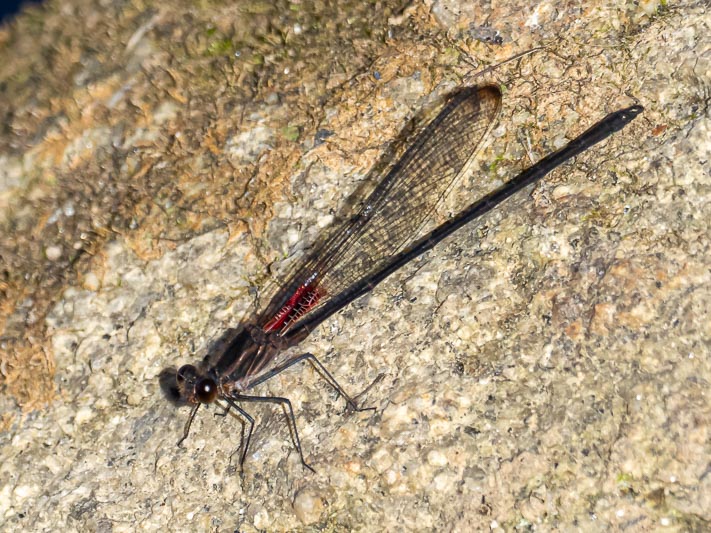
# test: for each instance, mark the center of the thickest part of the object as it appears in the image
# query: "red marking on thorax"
(301, 302)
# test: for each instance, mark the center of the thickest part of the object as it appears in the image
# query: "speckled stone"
(162, 168)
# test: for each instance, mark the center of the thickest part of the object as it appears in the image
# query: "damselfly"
(379, 239)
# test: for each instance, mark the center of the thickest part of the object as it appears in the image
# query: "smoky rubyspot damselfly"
(372, 244)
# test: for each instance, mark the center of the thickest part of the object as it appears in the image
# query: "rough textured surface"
(546, 369)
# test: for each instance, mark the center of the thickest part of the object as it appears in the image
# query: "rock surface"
(161, 167)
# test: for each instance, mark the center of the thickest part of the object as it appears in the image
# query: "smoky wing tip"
(490, 91)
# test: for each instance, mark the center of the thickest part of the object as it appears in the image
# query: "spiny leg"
(188, 423)
(321, 370)
(250, 420)
(290, 412)
(225, 410)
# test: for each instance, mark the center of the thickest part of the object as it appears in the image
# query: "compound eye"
(186, 373)
(206, 390)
